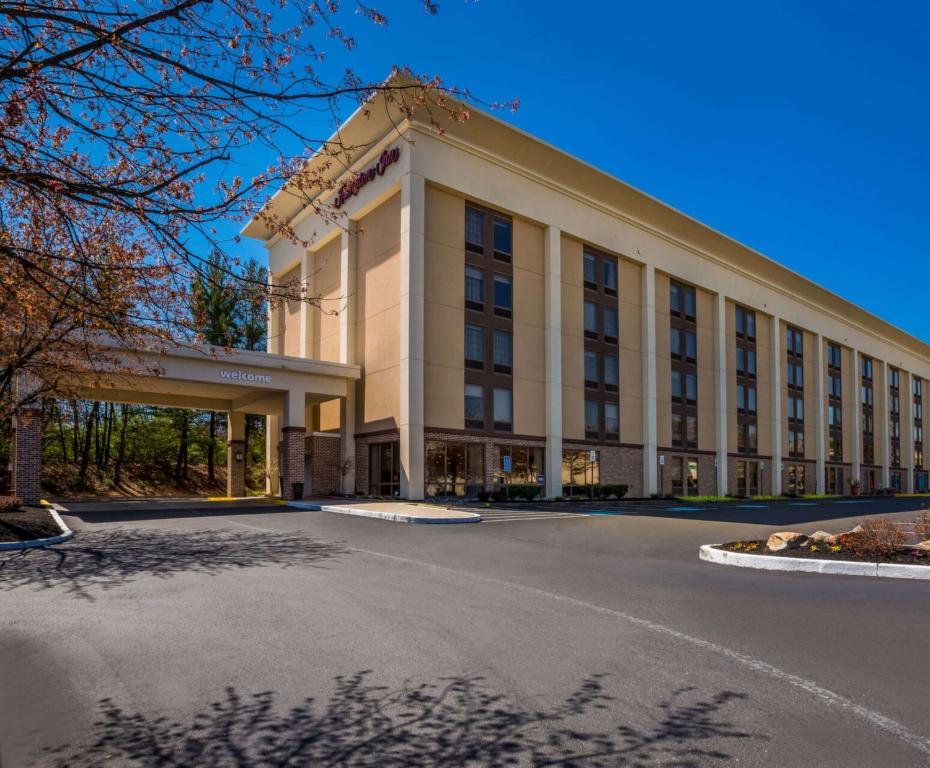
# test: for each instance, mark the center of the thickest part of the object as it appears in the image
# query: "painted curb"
(66, 533)
(801, 565)
(394, 517)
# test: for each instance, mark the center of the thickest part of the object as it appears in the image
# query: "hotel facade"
(509, 307)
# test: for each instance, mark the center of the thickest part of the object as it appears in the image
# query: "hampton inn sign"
(352, 187)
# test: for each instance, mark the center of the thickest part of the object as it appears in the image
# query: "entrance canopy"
(237, 382)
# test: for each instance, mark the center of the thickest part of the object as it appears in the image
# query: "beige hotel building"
(509, 305)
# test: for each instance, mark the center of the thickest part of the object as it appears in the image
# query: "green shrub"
(526, 492)
(606, 491)
(10, 503)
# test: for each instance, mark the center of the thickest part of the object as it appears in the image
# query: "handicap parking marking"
(802, 504)
(852, 501)
(751, 506)
(685, 509)
(610, 512)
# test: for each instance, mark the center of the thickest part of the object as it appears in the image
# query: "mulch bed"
(27, 524)
(909, 557)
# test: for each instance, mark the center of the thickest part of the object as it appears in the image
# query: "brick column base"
(27, 455)
(235, 468)
(293, 449)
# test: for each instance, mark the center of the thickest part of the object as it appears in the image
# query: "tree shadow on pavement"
(105, 559)
(455, 722)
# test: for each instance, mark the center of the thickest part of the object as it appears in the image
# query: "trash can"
(298, 489)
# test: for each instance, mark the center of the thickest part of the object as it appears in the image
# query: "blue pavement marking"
(751, 506)
(685, 509)
(858, 501)
(603, 512)
(803, 504)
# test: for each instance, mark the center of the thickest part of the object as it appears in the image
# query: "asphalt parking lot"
(202, 634)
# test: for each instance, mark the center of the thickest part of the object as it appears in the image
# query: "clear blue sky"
(798, 128)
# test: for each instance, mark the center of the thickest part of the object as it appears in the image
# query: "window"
(610, 277)
(503, 239)
(474, 288)
(894, 400)
(867, 368)
(503, 351)
(580, 468)
(612, 420)
(503, 295)
(611, 373)
(474, 346)
(590, 271)
(526, 463)
(384, 469)
(454, 468)
(503, 409)
(474, 406)
(592, 377)
(678, 483)
(683, 349)
(692, 477)
(590, 320)
(611, 325)
(592, 426)
(745, 323)
(474, 230)
(795, 342)
(682, 301)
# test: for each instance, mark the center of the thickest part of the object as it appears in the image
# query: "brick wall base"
(235, 470)
(620, 465)
(292, 459)
(325, 475)
(27, 455)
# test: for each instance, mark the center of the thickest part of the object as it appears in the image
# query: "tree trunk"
(61, 433)
(180, 468)
(211, 449)
(121, 449)
(85, 456)
(75, 433)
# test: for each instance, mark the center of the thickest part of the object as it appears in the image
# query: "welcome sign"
(240, 375)
(351, 188)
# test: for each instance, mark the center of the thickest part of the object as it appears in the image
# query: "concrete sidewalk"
(395, 511)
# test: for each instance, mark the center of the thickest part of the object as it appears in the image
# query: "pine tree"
(213, 305)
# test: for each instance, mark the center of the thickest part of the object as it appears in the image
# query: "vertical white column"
(907, 429)
(348, 320)
(306, 310)
(820, 415)
(412, 246)
(273, 340)
(650, 404)
(720, 389)
(883, 417)
(272, 423)
(856, 447)
(553, 362)
(775, 337)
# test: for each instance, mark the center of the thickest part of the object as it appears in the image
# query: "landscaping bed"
(27, 524)
(874, 540)
(758, 547)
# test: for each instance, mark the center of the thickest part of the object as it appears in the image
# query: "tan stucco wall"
(572, 341)
(290, 316)
(444, 310)
(324, 282)
(377, 338)
(663, 363)
(529, 319)
(810, 396)
(631, 352)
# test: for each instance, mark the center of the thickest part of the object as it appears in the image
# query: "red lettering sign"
(351, 188)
